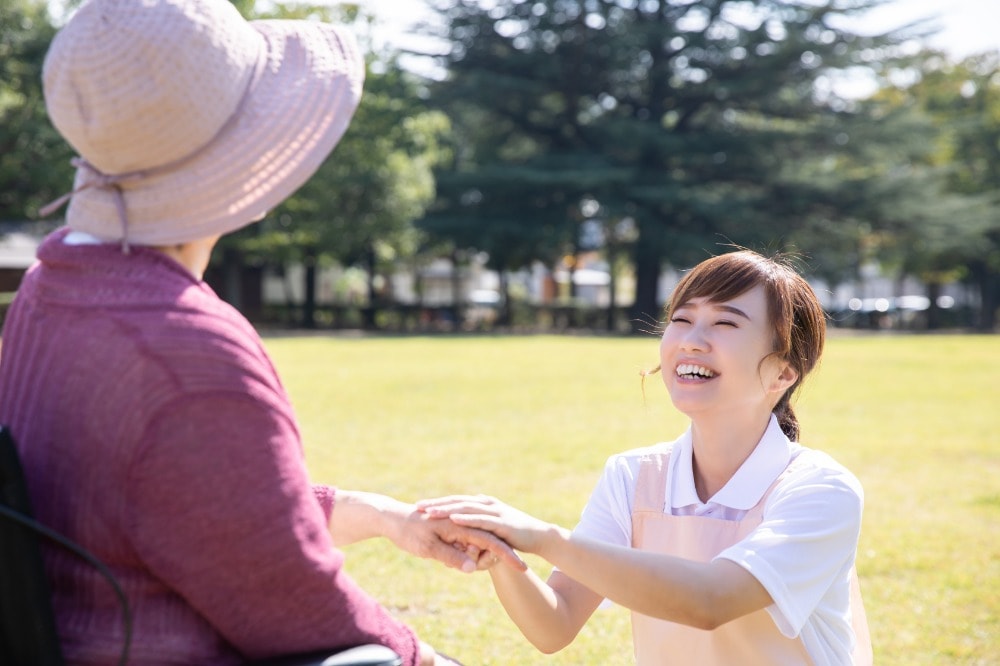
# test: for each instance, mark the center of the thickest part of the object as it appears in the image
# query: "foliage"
(532, 420)
(961, 235)
(34, 159)
(358, 208)
(694, 120)
(688, 125)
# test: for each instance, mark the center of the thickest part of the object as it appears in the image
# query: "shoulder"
(641, 453)
(814, 464)
(816, 476)
(628, 462)
(193, 344)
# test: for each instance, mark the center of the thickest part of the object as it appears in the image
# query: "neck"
(721, 445)
(192, 255)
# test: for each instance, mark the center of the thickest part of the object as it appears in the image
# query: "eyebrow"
(719, 306)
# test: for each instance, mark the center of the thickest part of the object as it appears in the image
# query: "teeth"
(690, 370)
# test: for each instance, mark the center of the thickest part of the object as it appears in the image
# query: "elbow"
(708, 615)
(551, 640)
(707, 621)
(550, 644)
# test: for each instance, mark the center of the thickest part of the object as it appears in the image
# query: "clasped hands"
(482, 530)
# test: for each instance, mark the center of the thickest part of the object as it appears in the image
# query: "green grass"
(532, 420)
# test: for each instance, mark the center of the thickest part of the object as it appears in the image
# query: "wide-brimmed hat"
(189, 120)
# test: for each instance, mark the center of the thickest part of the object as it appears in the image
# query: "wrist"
(551, 541)
(359, 515)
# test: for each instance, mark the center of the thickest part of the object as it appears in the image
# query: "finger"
(452, 556)
(486, 560)
(478, 540)
(480, 521)
(497, 547)
(424, 504)
(446, 510)
(447, 499)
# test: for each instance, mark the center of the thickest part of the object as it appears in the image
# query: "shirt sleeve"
(222, 511)
(607, 516)
(806, 542)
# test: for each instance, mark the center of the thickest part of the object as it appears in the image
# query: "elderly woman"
(153, 427)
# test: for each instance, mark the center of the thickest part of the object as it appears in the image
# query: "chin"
(687, 405)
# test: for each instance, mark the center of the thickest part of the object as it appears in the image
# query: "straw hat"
(190, 121)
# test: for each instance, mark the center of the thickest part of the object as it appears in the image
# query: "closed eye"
(726, 322)
(679, 320)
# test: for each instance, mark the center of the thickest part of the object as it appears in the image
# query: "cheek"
(666, 347)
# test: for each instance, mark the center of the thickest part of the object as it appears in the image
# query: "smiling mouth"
(691, 371)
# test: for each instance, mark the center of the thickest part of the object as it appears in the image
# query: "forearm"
(538, 611)
(698, 594)
(361, 515)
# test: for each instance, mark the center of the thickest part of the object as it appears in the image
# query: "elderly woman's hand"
(457, 546)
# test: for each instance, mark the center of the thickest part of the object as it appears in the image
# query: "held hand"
(455, 545)
(517, 528)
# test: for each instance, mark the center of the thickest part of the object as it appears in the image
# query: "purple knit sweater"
(155, 432)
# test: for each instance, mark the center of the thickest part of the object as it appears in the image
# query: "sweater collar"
(92, 272)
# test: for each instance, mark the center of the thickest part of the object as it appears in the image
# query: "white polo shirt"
(803, 550)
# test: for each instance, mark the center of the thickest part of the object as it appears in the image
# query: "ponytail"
(786, 417)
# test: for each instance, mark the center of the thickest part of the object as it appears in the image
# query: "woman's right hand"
(522, 531)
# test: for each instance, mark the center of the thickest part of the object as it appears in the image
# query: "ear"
(785, 379)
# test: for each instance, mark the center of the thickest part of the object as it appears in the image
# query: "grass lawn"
(532, 419)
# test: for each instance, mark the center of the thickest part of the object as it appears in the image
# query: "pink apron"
(751, 639)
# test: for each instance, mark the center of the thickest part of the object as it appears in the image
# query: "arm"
(221, 513)
(360, 515)
(549, 613)
(703, 595)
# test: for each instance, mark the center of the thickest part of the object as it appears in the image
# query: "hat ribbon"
(103, 181)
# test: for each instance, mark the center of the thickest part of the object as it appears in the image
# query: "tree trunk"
(368, 312)
(504, 317)
(232, 266)
(645, 313)
(309, 284)
(933, 310)
(456, 291)
(612, 255)
(988, 282)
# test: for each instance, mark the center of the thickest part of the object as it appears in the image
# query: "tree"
(34, 159)
(955, 232)
(359, 206)
(691, 118)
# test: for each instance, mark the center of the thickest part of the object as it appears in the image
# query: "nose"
(693, 339)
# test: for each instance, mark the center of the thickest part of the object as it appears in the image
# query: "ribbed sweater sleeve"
(327, 497)
(221, 509)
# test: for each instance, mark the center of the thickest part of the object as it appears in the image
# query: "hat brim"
(292, 117)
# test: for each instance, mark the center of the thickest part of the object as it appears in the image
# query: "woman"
(733, 544)
(153, 428)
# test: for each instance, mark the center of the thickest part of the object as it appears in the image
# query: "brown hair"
(796, 314)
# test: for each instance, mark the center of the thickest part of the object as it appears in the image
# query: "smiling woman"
(732, 544)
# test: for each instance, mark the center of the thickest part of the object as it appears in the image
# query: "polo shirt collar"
(768, 459)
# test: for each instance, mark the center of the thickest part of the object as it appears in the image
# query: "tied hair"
(786, 416)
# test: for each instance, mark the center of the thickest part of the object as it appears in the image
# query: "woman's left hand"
(458, 546)
(522, 531)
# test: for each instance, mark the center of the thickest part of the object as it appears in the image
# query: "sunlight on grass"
(532, 420)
